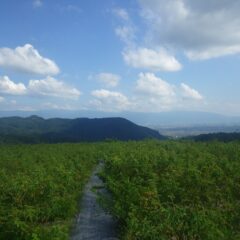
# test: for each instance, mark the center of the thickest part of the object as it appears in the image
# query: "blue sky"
(135, 55)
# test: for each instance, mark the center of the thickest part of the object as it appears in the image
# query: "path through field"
(93, 222)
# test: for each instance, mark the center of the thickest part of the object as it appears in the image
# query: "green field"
(40, 187)
(160, 190)
(175, 190)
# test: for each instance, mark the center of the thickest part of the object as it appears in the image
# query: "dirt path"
(93, 222)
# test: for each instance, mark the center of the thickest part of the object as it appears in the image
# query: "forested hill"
(223, 137)
(35, 129)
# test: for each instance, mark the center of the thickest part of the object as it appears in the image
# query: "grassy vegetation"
(40, 186)
(160, 190)
(175, 190)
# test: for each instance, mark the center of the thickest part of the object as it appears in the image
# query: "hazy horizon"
(172, 119)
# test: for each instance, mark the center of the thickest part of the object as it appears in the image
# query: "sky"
(115, 56)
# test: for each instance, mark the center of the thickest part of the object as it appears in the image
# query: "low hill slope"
(223, 137)
(36, 129)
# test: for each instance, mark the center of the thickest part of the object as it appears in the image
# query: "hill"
(223, 137)
(35, 129)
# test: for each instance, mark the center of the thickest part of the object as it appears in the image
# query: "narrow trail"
(93, 222)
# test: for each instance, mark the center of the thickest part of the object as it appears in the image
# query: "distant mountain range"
(180, 132)
(35, 129)
(156, 120)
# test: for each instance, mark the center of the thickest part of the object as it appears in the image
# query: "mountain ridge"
(35, 129)
(150, 119)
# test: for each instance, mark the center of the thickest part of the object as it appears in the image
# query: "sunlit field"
(159, 190)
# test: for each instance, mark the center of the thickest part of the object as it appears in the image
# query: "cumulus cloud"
(108, 79)
(189, 92)
(9, 87)
(212, 53)
(153, 93)
(155, 60)
(27, 59)
(109, 100)
(194, 27)
(50, 86)
(150, 84)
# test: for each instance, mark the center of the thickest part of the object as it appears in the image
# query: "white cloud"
(27, 59)
(212, 53)
(44, 87)
(154, 60)
(189, 92)
(108, 79)
(52, 87)
(201, 29)
(121, 13)
(1, 99)
(9, 87)
(153, 93)
(152, 85)
(109, 100)
(37, 3)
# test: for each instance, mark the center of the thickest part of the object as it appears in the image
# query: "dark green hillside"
(35, 130)
(223, 137)
(31, 125)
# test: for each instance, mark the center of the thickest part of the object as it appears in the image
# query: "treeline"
(223, 137)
